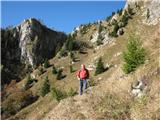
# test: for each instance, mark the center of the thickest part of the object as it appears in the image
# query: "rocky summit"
(28, 44)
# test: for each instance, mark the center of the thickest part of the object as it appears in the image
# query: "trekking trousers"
(83, 85)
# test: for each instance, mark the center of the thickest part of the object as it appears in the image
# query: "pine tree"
(120, 12)
(125, 18)
(46, 63)
(71, 69)
(54, 70)
(130, 10)
(72, 56)
(40, 70)
(63, 51)
(59, 74)
(99, 40)
(148, 14)
(99, 67)
(69, 43)
(113, 13)
(45, 88)
(91, 37)
(100, 28)
(133, 56)
(58, 48)
(115, 29)
(108, 18)
(29, 82)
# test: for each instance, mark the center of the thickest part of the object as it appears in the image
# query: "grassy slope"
(113, 81)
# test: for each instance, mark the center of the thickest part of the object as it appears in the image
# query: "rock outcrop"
(29, 44)
(150, 9)
(37, 42)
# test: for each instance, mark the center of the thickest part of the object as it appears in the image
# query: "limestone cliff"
(28, 44)
(148, 8)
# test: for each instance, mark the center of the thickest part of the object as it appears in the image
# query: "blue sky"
(62, 15)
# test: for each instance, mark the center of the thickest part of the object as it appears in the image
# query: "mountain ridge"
(28, 45)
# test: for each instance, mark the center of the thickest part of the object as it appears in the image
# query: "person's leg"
(84, 84)
(81, 87)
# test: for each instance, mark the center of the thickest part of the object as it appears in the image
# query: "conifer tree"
(54, 70)
(133, 56)
(71, 69)
(46, 87)
(46, 63)
(59, 74)
(148, 14)
(99, 67)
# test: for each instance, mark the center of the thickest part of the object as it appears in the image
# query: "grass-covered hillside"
(120, 53)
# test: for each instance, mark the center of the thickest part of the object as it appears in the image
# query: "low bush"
(29, 82)
(91, 82)
(114, 108)
(60, 75)
(40, 70)
(113, 34)
(58, 94)
(72, 92)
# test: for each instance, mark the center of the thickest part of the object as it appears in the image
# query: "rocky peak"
(35, 37)
(29, 43)
(28, 30)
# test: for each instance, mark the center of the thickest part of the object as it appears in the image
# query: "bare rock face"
(150, 10)
(38, 42)
(30, 43)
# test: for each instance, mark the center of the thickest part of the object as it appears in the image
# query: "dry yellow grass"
(113, 81)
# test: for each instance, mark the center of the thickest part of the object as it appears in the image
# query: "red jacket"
(83, 73)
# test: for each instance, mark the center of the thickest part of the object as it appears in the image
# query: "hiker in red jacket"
(82, 76)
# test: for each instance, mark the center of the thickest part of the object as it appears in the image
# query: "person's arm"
(78, 75)
(78, 78)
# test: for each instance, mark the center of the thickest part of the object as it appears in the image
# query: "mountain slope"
(26, 46)
(93, 106)
(112, 95)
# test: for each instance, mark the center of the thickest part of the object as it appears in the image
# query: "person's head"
(82, 66)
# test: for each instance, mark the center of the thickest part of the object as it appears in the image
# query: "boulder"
(139, 88)
(120, 32)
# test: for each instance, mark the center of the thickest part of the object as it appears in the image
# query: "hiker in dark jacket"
(83, 75)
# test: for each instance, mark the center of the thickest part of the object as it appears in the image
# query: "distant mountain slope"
(26, 46)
